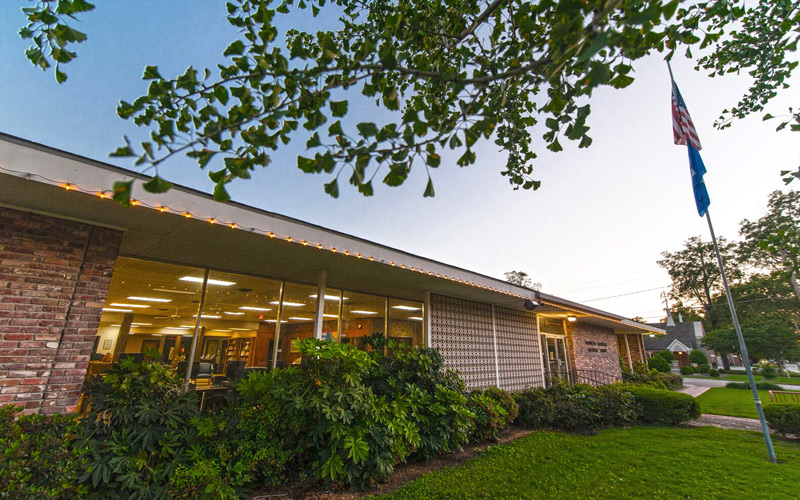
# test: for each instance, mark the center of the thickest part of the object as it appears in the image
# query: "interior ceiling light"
(123, 304)
(121, 325)
(177, 328)
(407, 308)
(275, 321)
(572, 319)
(221, 330)
(252, 308)
(329, 297)
(141, 324)
(359, 311)
(330, 315)
(195, 279)
(415, 318)
(232, 313)
(289, 304)
(149, 299)
(186, 326)
(300, 318)
(182, 292)
(114, 310)
(209, 316)
(242, 329)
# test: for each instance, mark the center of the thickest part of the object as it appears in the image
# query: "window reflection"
(406, 322)
(362, 315)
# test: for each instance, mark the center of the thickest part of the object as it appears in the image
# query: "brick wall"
(634, 344)
(54, 275)
(593, 348)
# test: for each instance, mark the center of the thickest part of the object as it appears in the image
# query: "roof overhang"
(557, 307)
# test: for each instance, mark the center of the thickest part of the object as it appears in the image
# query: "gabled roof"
(683, 332)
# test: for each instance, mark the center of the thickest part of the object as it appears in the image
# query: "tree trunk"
(725, 364)
(795, 285)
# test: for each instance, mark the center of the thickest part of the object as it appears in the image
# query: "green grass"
(736, 377)
(641, 462)
(731, 402)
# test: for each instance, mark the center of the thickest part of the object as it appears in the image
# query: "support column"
(643, 351)
(320, 304)
(122, 336)
(277, 342)
(494, 340)
(628, 351)
(195, 337)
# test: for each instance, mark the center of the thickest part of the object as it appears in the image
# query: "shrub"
(490, 417)
(37, 456)
(704, 368)
(667, 355)
(784, 417)
(659, 364)
(536, 408)
(764, 386)
(769, 371)
(687, 370)
(698, 357)
(641, 375)
(657, 406)
(506, 401)
(713, 372)
(670, 380)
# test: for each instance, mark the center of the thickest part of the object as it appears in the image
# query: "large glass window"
(406, 322)
(362, 315)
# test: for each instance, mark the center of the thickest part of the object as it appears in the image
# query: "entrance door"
(554, 356)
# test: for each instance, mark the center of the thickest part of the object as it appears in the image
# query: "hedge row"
(784, 417)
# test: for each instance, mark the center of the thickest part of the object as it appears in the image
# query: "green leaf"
(338, 108)
(367, 129)
(598, 43)
(366, 188)
(61, 77)
(429, 192)
(157, 185)
(151, 73)
(221, 93)
(220, 193)
(307, 165)
(332, 188)
(122, 192)
(234, 49)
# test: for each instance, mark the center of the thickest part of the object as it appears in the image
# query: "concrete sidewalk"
(693, 390)
(725, 422)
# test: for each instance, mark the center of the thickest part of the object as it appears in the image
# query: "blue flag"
(698, 169)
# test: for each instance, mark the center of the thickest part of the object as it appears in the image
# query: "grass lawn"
(731, 402)
(736, 377)
(641, 462)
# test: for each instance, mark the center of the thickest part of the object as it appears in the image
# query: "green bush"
(659, 364)
(490, 417)
(687, 370)
(784, 417)
(769, 371)
(661, 407)
(576, 408)
(704, 368)
(506, 401)
(668, 356)
(669, 380)
(37, 456)
(714, 373)
(764, 386)
(698, 357)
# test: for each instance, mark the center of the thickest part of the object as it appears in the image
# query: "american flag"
(682, 126)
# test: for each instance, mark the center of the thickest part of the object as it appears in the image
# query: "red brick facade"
(54, 276)
(634, 342)
(593, 348)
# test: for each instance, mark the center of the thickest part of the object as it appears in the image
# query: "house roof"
(683, 332)
(188, 227)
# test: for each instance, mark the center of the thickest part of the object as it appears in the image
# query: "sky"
(592, 233)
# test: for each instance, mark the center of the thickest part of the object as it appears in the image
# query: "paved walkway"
(693, 390)
(725, 422)
(721, 382)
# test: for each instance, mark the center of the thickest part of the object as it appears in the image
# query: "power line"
(629, 293)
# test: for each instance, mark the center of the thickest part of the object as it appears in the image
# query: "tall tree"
(446, 73)
(773, 241)
(764, 339)
(696, 279)
(520, 278)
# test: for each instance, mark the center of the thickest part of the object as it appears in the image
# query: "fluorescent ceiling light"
(121, 325)
(300, 318)
(329, 297)
(407, 308)
(186, 326)
(149, 299)
(242, 329)
(209, 316)
(232, 313)
(221, 330)
(359, 311)
(141, 324)
(289, 304)
(177, 327)
(195, 279)
(251, 308)
(415, 318)
(275, 321)
(182, 292)
(330, 315)
(122, 304)
(113, 310)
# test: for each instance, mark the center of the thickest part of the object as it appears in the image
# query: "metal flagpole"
(190, 362)
(742, 346)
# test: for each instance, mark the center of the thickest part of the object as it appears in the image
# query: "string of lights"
(107, 195)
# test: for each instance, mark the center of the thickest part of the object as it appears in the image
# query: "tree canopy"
(764, 340)
(445, 75)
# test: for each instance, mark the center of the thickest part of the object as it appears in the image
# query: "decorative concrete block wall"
(54, 276)
(594, 348)
(462, 331)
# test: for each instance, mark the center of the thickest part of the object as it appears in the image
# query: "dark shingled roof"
(684, 332)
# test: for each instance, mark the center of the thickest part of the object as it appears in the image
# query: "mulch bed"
(402, 474)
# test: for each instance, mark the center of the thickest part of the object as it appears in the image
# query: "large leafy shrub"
(658, 406)
(698, 357)
(139, 433)
(506, 401)
(688, 370)
(713, 373)
(784, 417)
(641, 374)
(490, 417)
(764, 386)
(769, 371)
(667, 355)
(37, 456)
(659, 364)
(669, 380)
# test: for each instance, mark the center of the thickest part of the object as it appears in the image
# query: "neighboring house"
(85, 281)
(681, 338)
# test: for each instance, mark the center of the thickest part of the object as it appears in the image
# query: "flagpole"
(742, 346)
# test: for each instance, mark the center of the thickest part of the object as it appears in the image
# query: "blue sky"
(595, 229)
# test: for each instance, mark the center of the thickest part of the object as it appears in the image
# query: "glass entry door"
(554, 357)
